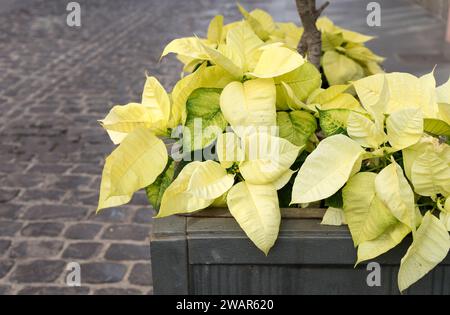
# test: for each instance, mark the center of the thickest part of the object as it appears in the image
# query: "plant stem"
(310, 44)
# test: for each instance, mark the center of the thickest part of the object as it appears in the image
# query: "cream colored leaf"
(327, 95)
(176, 198)
(276, 61)
(215, 29)
(383, 243)
(430, 175)
(430, 246)
(133, 165)
(301, 81)
(243, 43)
(333, 216)
(210, 181)
(255, 208)
(326, 169)
(105, 200)
(411, 153)
(126, 118)
(365, 213)
(340, 69)
(343, 101)
(289, 100)
(405, 91)
(283, 179)
(266, 158)
(186, 46)
(155, 97)
(207, 77)
(393, 189)
(116, 136)
(355, 37)
(251, 103)
(404, 127)
(224, 61)
(445, 219)
(228, 149)
(255, 23)
(443, 93)
(364, 131)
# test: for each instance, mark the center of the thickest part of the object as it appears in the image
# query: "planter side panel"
(168, 244)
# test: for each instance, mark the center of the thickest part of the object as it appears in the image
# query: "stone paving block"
(8, 194)
(82, 250)
(25, 249)
(102, 272)
(53, 290)
(67, 182)
(9, 228)
(144, 215)
(55, 212)
(44, 195)
(111, 215)
(126, 232)
(10, 211)
(49, 168)
(42, 229)
(128, 252)
(4, 245)
(141, 274)
(83, 231)
(117, 291)
(5, 267)
(37, 271)
(5, 289)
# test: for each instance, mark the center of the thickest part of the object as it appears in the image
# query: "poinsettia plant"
(250, 111)
(391, 166)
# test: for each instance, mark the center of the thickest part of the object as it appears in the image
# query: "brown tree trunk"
(310, 45)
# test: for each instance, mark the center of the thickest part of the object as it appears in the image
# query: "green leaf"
(330, 41)
(430, 246)
(205, 120)
(333, 121)
(365, 213)
(362, 53)
(436, 127)
(156, 190)
(296, 126)
(335, 200)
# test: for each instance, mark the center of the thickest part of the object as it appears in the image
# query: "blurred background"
(56, 81)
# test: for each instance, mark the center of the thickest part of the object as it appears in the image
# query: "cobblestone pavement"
(56, 81)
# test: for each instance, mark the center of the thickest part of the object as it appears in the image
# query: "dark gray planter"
(208, 253)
